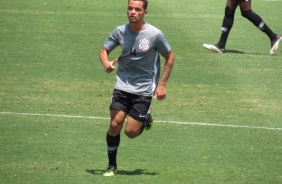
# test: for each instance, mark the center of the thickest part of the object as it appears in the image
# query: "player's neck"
(137, 27)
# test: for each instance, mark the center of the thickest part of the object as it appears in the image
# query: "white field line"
(157, 121)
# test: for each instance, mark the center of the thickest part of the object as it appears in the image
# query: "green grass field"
(221, 121)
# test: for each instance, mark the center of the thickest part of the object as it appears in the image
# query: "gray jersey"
(139, 64)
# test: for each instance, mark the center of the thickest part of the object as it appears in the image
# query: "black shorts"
(242, 0)
(135, 106)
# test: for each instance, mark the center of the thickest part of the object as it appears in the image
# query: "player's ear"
(145, 12)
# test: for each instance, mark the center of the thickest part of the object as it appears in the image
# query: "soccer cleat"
(149, 122)
(275, 44)
(111, 171)
(214, 48)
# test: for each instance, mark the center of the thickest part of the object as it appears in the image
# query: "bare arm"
(160, 93)
(104, 58)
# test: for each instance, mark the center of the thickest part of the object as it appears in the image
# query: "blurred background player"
(246, 11)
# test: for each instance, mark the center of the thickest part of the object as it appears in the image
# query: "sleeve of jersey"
(112, 42)
(163, 46)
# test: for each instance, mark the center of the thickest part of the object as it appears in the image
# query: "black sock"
(223, 40)
(259, 23)
(269, 32)
(112, 147)
(226, 27)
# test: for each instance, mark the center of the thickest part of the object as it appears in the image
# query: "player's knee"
(229, 12)
(247, 14)
(253, 17)
(115, 128)
(131, 134)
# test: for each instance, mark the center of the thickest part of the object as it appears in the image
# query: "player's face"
(135, 11)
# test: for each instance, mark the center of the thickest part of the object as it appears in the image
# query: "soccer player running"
(137, 77)
(246, 11)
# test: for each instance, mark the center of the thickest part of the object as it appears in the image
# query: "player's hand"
(110, 67)
(160, 92)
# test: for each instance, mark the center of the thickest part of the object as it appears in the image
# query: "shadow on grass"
(241, 52)
(234, 51)
(230, 51)
(122, 172)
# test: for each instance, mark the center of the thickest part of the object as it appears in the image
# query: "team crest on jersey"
(144, 44)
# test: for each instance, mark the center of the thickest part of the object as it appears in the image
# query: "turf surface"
(221, 121)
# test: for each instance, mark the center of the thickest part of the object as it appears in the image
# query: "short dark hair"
(145, 3)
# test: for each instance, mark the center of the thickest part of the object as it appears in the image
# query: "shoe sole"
(212, 48)
(275, 46)
(110, 173)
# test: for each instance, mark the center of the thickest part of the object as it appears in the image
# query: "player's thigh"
(140, 108)
(137, 114)
(117, 120)
(117, 117)
(245, 5)
(232, 4)
(119, 107)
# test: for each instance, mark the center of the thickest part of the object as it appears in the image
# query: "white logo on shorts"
(142, 116)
